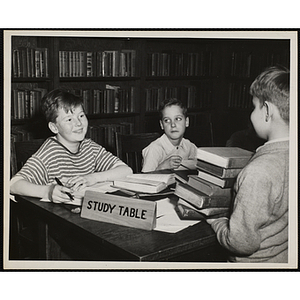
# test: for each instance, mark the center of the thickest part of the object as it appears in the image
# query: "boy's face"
(71, 126)
(174, 122)
(258, 118)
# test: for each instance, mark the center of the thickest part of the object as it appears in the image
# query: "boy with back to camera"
(257, 230)
(168, 151)
(67, 156)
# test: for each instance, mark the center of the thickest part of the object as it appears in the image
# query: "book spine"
(133, 63)
(207, 188)
(37, 64)
(24, 62)
(77, 63)
(46, 59)
(222, 182)
(74, 63)
(42, 62)
(60, 64)
(19, 63)
(15, 63)
(81, 64)
(99, 64)
(28, 58)
(219, 172)
(89, 64)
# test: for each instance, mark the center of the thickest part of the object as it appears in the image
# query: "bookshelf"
(242, 61)
(122, 80)
(184, 69)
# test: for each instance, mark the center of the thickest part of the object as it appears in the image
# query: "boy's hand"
(59, 194)
(77, 183)
(173, 162)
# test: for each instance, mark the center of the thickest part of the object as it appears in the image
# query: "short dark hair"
(170, 102)
(273, 85)
(59, 98)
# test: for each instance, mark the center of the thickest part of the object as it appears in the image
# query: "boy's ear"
(268, 110)
(161, 125)
(53, 127)
(187, 122)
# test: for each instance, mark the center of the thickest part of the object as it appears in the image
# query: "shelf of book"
(97, 79)
(243, 61)
(132, 75)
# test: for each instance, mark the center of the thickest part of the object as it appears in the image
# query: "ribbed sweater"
(257, 230)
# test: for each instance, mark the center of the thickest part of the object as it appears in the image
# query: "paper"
(167, 219)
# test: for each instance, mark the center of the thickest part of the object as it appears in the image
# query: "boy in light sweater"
(257, 230)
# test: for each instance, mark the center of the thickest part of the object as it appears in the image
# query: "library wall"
(123, 80)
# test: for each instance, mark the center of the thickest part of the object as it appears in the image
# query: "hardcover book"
(183, 175)
(186, 210)
(222, 182)
(185, 213)
(199, 199)
(216, 170)
(207, 187)
(225, 157)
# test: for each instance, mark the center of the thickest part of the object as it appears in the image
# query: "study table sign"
(119, 210)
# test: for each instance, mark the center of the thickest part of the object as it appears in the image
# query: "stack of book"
(208, 194)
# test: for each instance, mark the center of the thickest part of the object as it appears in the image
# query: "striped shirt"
(55, 160)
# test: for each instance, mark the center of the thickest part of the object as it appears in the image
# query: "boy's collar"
(278, 140)
(168, 143)
(273, 141)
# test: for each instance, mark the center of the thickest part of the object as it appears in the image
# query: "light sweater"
(257, 230)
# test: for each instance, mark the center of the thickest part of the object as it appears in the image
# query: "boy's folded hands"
(173, 162)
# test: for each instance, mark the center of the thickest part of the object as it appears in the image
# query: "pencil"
(60, 183)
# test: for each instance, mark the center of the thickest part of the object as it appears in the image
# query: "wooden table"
(63, 235)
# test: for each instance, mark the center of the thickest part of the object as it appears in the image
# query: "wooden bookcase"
(241, 62)
(212, 76)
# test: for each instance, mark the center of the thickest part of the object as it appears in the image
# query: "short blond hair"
(273, 85)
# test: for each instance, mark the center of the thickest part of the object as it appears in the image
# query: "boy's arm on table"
(20, 186)
(23, 187)
(117, 172)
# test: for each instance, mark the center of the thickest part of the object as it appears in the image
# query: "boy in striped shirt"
(68, 156)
